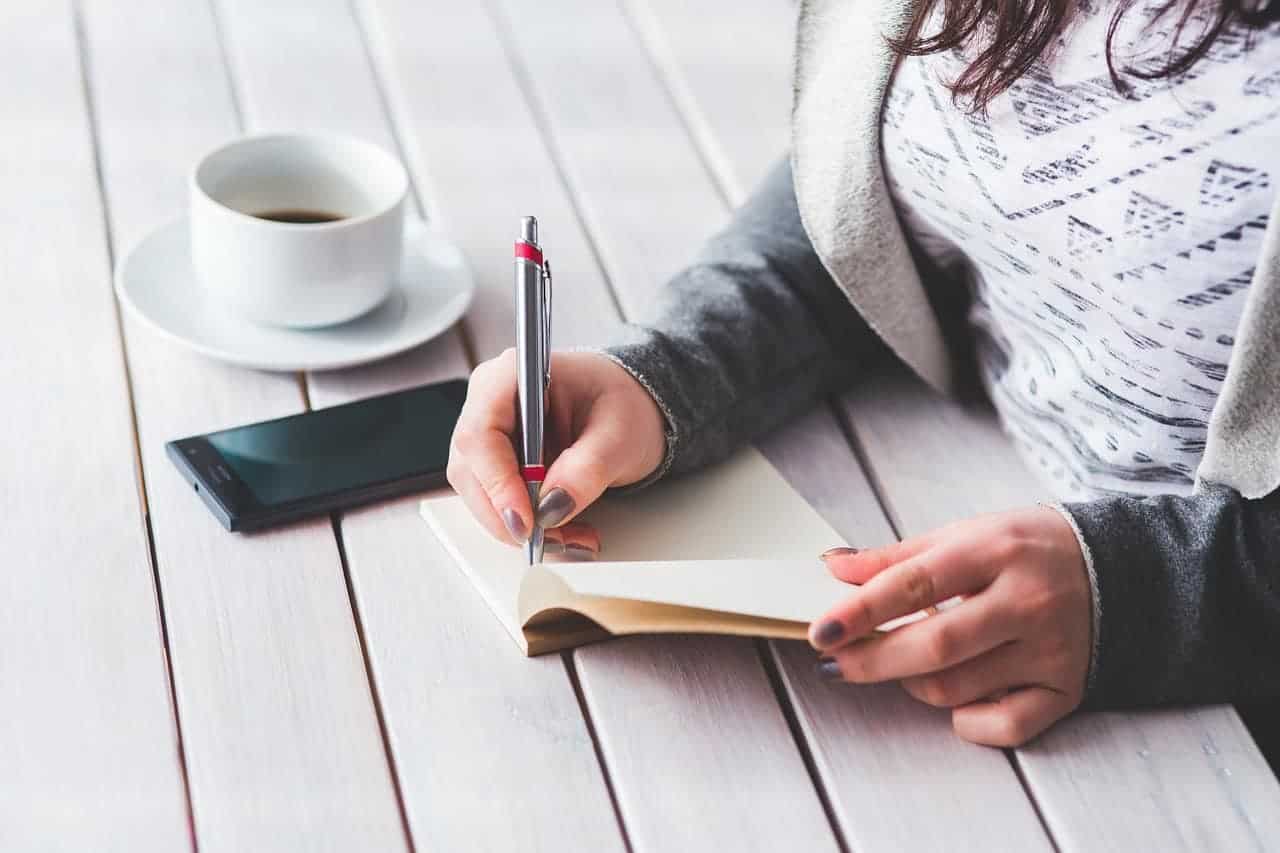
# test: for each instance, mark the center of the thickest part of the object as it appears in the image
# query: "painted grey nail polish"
(841, 551)
(554, 507)
(829, 633)
(579, 553)
(828, 669)
(515, 524)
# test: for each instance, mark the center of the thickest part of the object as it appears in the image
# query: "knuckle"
(493, 368)
(861, 615)
(919, 586)
(933, 690)
(496, 483)
(1037, 607)
(591, 467)
(465, 441)
(940, 647)
(1011, 729)
(454, 473)
(1007, 548)
(854, 667)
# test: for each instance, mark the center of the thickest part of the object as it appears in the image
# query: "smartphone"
(277, 471)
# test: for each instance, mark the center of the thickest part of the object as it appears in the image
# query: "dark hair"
(1008, 36)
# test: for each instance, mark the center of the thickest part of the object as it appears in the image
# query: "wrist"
(1095, 599)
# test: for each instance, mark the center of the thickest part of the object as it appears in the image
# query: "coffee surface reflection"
(299, 215)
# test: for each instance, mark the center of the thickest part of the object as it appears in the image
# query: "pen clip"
(546, 323)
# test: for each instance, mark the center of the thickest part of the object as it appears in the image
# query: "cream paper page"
(740, 510)
(795, 590)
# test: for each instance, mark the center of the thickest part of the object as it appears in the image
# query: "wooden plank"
(910, 438)
(1187, 778)
(1178, 779)
(88, 743)
(741, 51)
(649, 203)
(282, 739)
(897, 807)
(487, 728)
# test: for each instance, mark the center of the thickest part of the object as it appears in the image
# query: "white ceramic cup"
(298, 274)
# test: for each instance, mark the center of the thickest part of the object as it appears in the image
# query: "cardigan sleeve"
(751, 333)
(1188, 598)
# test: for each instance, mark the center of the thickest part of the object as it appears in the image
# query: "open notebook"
(731, 550)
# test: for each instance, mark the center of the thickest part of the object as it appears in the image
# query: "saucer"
(156, 283)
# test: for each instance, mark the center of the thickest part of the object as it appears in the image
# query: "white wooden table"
(338, 685)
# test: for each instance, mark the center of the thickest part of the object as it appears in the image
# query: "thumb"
(581, 473)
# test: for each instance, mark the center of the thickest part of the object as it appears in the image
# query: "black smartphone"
(277, 471)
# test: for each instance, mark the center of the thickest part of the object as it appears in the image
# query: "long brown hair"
(1006, 37)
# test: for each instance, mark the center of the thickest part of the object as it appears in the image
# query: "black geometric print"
(1107, 236)
(1083, 238)
(1223, 183)
(1213, 370)
(1149, 218)
(1217, 292)
(930, 164)
(1066, 168)
(1265, 83)
(1077, 300)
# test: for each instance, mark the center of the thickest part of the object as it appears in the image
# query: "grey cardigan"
(813, 281)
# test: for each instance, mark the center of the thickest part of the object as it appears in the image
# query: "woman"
(1073, 198)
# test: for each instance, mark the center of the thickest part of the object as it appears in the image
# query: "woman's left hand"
(1009, 660)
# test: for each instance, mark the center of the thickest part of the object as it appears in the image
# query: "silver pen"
(533, 366)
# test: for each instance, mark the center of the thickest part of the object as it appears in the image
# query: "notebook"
(730, 550)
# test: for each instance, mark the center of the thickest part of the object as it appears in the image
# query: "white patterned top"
(1108, 240)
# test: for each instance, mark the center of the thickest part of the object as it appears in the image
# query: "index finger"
(923, 580)
(491, 459)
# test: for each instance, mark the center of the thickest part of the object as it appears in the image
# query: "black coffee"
(294, 214)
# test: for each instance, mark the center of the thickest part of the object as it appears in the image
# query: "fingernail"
(515, 524)
(579, 553)
(828, 669)
(829, 633)
(554, 507)
(841, 551)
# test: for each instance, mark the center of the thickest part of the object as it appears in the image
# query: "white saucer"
(156, 283)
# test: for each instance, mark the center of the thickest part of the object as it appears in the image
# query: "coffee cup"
(298, 230)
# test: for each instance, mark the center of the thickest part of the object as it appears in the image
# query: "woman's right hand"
(606, 427)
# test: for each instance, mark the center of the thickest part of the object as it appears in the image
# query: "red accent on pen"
(529, 253)
(534, 473)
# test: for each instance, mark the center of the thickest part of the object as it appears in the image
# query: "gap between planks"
(336, 525)
(774, 675)
(567, 657)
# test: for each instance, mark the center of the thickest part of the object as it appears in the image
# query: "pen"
(533, 366)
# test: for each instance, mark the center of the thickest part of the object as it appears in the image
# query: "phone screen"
(339, 450)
